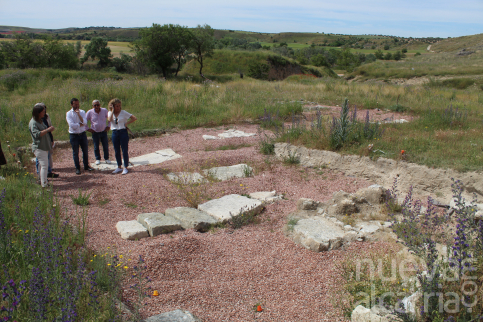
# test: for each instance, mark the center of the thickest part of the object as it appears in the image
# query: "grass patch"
(82, 199)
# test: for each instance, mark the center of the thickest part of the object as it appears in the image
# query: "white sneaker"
(98, 162)
(108, 161)
(117, 170)
(124, 171)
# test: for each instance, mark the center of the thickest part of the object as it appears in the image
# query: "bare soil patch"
(218, 275)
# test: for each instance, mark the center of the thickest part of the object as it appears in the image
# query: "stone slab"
(174, 316)
(321, 234)
(227, 173)
(155, 158)
(369, 227)
(228, 206)
(266, 196)
(210, 137)
(131, 230)
(186, 177)
(157, 223)
(146, 159)
(235, 134)
(191, 218)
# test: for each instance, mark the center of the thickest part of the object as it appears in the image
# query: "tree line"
(161, 49)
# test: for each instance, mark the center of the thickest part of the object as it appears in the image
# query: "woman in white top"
(120, 138)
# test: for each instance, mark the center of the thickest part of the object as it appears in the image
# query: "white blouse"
(119, 122)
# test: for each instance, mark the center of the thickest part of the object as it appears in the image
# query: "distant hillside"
(473, 43)
(232, 62)
(298, 39)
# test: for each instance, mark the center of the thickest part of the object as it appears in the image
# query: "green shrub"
(81, 199)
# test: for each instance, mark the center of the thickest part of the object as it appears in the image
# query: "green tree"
(388, 56)
(57, 54)
(379, 54)
(22, 52)
(97, 48)
(397, 55)
(202, 43)
(319, 60)
(404, 50)
(162, 46)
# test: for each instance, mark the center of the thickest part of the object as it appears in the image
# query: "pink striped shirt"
(98, 120)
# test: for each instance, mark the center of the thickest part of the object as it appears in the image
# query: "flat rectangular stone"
(174, 316)
(191, 218)
(226, 173)
(156, 223)
(146, 159)
(231, 205)
(155, 157)
(131, 230)
(186, 177)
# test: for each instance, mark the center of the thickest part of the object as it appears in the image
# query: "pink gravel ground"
(219, 275)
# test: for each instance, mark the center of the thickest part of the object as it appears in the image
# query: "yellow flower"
(241, 185)
(91, 260)
(26, 231)
(118, 265)
(125, 267)
(109, 264)
(120, 256)
(95, 255)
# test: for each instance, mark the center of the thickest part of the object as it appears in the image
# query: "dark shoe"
(52, 175)
(88, 169)
(77, 171)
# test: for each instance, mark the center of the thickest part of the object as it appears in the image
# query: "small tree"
(397, 55)
(202, 43)
(388, 56)
(97, 48)
(162, 46)
(379, 54)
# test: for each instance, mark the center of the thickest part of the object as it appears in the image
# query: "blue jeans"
(102, 136)
(50, 162)
(77, 140)
(120, 140)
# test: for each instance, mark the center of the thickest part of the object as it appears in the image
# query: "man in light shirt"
(76, 118)
(98, 117)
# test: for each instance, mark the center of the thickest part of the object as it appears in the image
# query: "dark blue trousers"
(79, 140)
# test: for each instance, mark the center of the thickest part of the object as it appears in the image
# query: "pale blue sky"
(416, 18)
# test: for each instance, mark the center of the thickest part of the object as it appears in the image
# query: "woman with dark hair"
(41, 142)
(46, 120)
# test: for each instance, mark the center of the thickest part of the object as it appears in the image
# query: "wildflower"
(91, 260)
(241, 185)
(109, 264)
(125, 267)
(259, 308)
(402, 152)
(120, 256)
(155, 293)
(13, 154)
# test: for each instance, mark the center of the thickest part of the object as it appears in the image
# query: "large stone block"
(229, 206)
(186, 177)
(227, 173)
(173, 316)
(157, 223)
(191, 218)
(131, 230)
(374, 194)
(321, 234)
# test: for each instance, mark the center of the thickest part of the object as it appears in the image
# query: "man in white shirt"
(76, 118)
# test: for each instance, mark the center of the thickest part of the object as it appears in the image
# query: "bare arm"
(132, 119)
